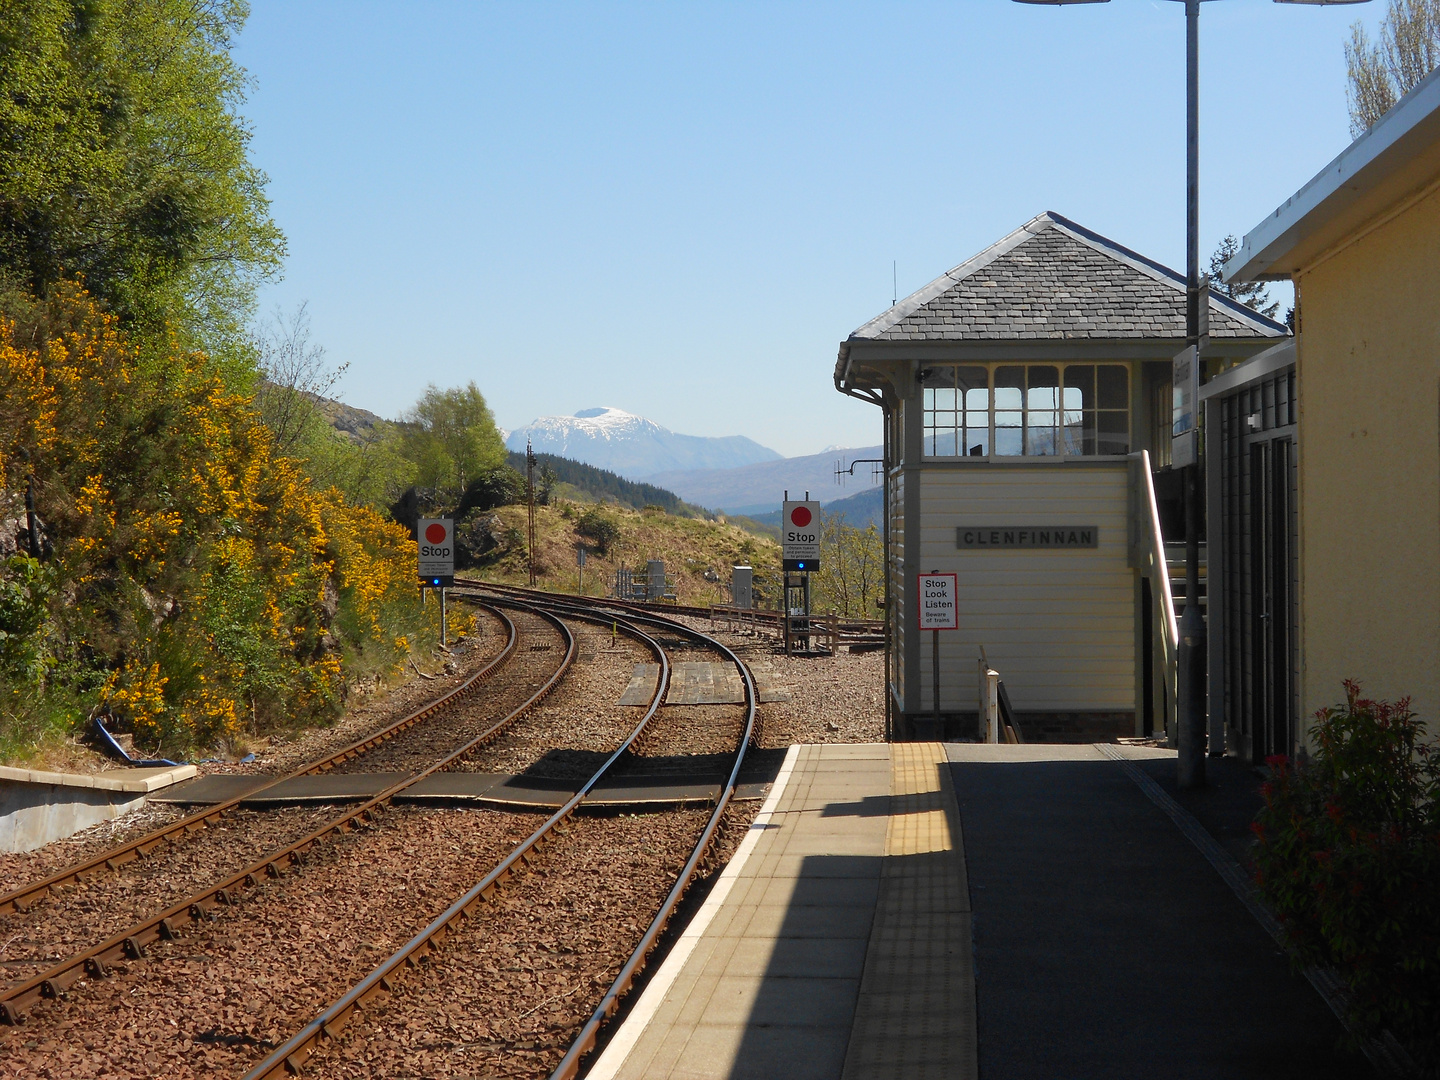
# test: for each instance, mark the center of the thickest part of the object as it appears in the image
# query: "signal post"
(435, 540)
(800, 555)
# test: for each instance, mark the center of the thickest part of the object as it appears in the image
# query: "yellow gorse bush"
(205, 585)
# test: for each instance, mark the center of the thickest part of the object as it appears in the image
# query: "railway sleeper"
(53, 988)
(22, 904)
(120, 859)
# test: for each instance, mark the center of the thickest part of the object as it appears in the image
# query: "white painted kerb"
(614, 1055)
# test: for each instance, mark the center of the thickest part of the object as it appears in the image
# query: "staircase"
(1175, 564)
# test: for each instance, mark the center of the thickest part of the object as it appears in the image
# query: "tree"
(1382, 72)
(199, 583)
(294, 376)
(851, 567)
(545, 484)
(600, 528)
(1253, 294)
(124, 162)
(452, 439)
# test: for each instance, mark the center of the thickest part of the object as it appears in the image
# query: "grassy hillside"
(698, 553)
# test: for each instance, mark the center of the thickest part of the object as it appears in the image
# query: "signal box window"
(1027, 410)
(957, 412)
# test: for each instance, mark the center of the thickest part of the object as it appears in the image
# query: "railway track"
(130, 943)
(850, 630)
(24, 897)
(336, 873)
(424, 950)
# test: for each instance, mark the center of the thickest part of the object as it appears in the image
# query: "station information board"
(1185, 401)
(939, 605)
(800, 536)
(436, 540)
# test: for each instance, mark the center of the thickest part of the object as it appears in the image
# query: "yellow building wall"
(1059, 625)
(1368, 371)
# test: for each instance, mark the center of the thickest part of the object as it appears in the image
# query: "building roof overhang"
(1071, 295)
(1396, 158)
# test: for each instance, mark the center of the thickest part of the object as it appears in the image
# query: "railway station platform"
(1035, 911)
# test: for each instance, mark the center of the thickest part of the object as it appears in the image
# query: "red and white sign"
(800, 535)
(939, 605)
(436, 538)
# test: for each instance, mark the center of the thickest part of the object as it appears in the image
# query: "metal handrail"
(1154, 566)
(1157, 552)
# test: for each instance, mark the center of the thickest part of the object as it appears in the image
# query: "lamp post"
(1191, 654)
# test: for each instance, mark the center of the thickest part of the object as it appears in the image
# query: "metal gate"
(1258, 525)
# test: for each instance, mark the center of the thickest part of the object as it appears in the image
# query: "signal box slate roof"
(1054, 280)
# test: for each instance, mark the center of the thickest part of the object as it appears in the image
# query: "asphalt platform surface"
(1105, 944)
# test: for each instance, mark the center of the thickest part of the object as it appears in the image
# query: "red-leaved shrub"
(1349, 859)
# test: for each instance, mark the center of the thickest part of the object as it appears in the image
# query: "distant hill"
(861, 510)
(351, 422)
(632, 446)
(601, 485)
(756, 490)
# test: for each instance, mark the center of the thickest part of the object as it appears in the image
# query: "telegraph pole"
(1191, 654)
(530, 498)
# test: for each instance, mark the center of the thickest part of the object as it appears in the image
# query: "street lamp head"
(1312, 3)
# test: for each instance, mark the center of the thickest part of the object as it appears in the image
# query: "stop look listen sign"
(939, 608)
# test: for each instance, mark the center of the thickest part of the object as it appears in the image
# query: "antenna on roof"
(894, 292)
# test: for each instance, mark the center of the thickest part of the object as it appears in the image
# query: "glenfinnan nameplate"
(1027, 536)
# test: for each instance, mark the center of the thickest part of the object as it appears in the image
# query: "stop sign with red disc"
(436, 540)
(800, 536)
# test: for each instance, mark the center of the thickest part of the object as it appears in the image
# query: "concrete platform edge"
(613, 1057)
(37, 807)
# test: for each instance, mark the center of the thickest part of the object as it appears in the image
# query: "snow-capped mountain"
(633, 446)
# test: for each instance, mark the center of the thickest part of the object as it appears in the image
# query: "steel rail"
(130, 943)
(291, 1056)
(23, 897)
(660, 608)
(585, 1041)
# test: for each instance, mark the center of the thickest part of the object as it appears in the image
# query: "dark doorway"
(1271, 544)
(1258, 564)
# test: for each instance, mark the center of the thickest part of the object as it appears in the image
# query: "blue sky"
(681, 209)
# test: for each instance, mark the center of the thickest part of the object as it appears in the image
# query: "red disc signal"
(435, 533)
(800, 516)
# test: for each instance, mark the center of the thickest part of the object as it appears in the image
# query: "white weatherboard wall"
(898, 592)
(1058, 624)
